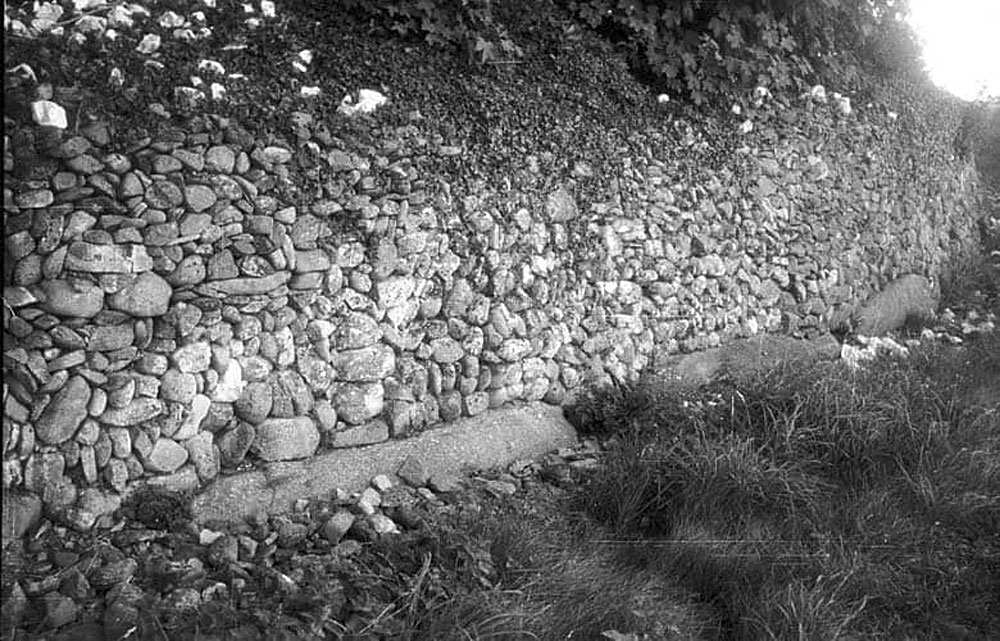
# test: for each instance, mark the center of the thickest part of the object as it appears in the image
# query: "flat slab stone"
(283, 439)
(119, 259)
(137, 411)
(746, 358)
(243, 286)
(489, 440)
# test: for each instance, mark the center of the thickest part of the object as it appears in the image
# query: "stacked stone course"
(184, 304)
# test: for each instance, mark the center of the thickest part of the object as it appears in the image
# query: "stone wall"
(194, 301)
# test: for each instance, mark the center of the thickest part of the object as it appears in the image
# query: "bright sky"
(961, 44)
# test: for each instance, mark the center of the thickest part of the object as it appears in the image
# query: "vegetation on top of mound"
(694, 48)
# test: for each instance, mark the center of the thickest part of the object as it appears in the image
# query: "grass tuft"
(819, 503)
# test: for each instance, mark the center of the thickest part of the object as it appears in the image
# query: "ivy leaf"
(487, 50)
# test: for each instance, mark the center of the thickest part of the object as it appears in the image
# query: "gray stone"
(110, 338)
(254, 404)
(197, 410)
(181, 601)
(282, 439)
(183, 480)
(88, 464)
(413, 472)
(98, 402)
(235, 443)
(306, 282)
(81, 298)
(350, 254)
(44, 475)
(92, 505)
(312, 260)
(124, 389)
(60, 610)
(120, 259)
(445, 483)
(193, 358)
(294, 387)
(220, 159)
(139, 410)
(116, 474)
(385, 260)
(326, 415)
(382, 524)
(394, 291)
(166, 164)
(34, 198)
(337, 526)
(256, 368)
(177, 386)
(357, 403)
(166, 457)
(514, 349)
(535, 389)
(191, 159)
(222, 266)
(230, 385)
(404, 416)
(909, 298)
(64, 413)
(560, 206)
(713, 265)
(218, 417)
(450, 405)
(276, 155)
(365, 434)
(121, 441)
(291, 534)
(317, 373)
(340, 161)
(305, 231)
(459, 299)
(190, 271)
(148, 295)
(203, 453)
(446, 350)
(199, 197)
(478, 402)
(365, 364)
(194, 224)
(243, 286)
(357, 330)
(414, 242)
(113, 573)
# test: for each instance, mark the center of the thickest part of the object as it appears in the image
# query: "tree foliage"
(700, 49)
(703, 48)
(468, 24)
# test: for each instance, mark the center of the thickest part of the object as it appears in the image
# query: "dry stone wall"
(194, 301)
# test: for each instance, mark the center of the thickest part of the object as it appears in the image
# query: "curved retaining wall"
(180, 305)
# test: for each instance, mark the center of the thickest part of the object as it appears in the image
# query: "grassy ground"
(820, 504)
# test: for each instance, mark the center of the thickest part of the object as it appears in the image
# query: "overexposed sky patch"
(961, 41)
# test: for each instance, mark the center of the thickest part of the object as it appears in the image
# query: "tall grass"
(819, 503)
